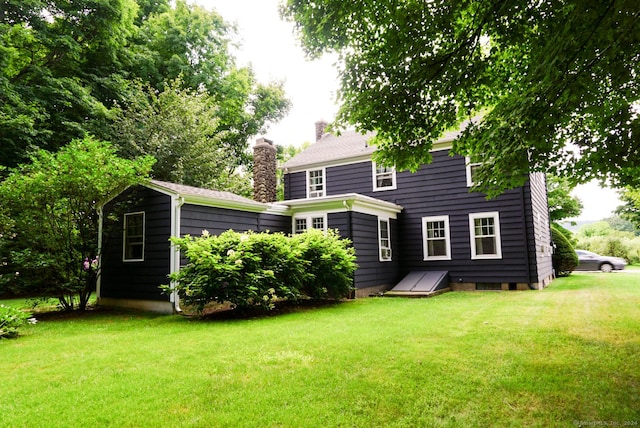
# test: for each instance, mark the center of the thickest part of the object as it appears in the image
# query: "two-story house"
(426, 227)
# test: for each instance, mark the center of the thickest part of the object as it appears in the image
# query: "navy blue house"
(418, 232)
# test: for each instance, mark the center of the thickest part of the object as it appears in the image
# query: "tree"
(191, 43)
(65, 66)
(57, 63)
(542, 75)
(561, 204)
(181, 129)
(52, 249)
(630, 210)
(620, 224)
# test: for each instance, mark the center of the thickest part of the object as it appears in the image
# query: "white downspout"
(99, 278)
(174, 258)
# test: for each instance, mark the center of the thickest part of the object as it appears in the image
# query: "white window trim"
(425, 247)
(381, 248)
(374, 169)
(309, 217)
(324, 183)
(472, 235)
(470, 165)
(124, 236)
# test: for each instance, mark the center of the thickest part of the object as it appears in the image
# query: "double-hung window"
(485, 235)
(133, 237)
(305, 222)
(472, 167)
(384, 177)
(435, 236)
(384, 239)
(315, 183)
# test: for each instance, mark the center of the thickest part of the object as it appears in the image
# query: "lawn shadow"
(226, 312)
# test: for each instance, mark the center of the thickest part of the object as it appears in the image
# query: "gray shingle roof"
(201, 193)
(331, 147)
(348, 145)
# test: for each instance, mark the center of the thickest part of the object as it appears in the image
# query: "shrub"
(256, 269)
(616, 246)
(332, 263)
(565, 258)
(11, 319)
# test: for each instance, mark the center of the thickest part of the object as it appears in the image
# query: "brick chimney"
(321, 127)
(264, 171)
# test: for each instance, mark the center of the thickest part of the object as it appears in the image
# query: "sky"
(270, 46)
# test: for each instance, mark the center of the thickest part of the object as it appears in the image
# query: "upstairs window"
(485, 235)
(384, 177)
(472, 167)
(304, 222)
(133, 237)
(435, 235)
(315, 183)
(384, 240)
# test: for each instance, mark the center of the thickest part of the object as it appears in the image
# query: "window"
(133, 237)
(472, 167)
(384, 240)
(384, 177)
(315, 180)
(435, 235)
(302, 223)
(485, 235)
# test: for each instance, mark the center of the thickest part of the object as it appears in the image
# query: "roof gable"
(352, 146)
(330, 148)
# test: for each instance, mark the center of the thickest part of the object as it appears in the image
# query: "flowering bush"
(256, 269)
(11, 319)
(331, 263)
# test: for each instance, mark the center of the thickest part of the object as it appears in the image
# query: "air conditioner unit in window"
(385, 253)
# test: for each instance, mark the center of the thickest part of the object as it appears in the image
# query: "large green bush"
(331, 263)
(565, 258)
(257, 269)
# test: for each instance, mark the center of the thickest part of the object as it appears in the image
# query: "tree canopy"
(58, 63)
(555, 82)
(67, 69)
(180, 128)
(630, 208)
(561, 203)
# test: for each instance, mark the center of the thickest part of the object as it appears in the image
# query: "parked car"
(592, 261)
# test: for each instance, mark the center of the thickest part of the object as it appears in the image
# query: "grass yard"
(565, 356)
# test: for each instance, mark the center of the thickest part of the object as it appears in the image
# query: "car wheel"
(606, 267)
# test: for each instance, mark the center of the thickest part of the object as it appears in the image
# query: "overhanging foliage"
(556, 82)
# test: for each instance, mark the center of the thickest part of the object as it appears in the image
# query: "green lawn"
(566, 355)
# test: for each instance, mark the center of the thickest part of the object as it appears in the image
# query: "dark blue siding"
(295, 185)
(441, 189)
(362, 229)
(136, 280)
(195, 218)
(540, 233)
(274, 223)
